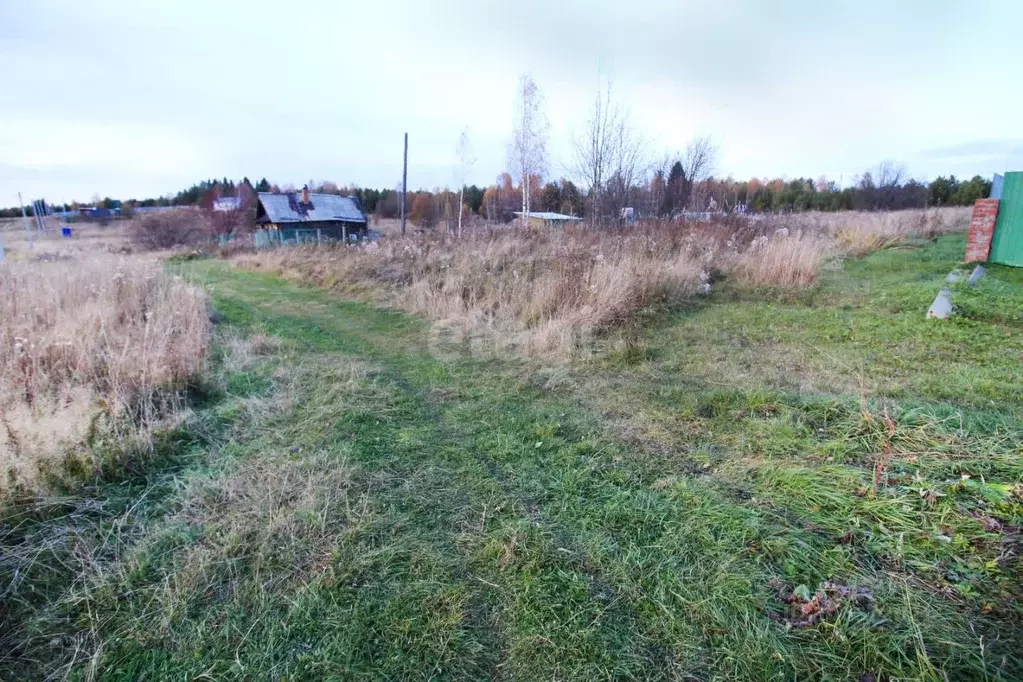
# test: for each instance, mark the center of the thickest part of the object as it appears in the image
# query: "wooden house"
(331, 215)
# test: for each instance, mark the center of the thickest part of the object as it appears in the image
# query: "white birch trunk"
(460, 191)
(525, 194)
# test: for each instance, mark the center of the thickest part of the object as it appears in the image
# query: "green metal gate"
(1007, 242)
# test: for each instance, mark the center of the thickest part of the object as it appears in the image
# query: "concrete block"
(942, 306)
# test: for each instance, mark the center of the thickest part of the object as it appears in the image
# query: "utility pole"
(404, 186)
(39, 210)
(24, 221)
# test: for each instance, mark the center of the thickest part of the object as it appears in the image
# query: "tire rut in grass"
(363, 343)
(434, 407)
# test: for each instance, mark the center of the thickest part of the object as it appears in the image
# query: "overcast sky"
(142, 98)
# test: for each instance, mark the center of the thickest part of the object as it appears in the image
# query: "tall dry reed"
(97, 345)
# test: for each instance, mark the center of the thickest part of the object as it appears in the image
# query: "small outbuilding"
(547, 219)
(331, 216)
(227, 204)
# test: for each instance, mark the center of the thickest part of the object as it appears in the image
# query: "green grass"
(996, 297)
(354, 504)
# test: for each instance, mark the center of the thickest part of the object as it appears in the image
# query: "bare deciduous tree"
(697, 165)
(529, 140)
(880, 187)
(659, 184)
(890, 177)
(465, 163)
(608, 157)
(628, 168)
(685, 177)
(890, 174)
(594, 150)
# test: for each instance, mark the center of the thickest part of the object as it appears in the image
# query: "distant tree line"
(884, 189)
(670, 190)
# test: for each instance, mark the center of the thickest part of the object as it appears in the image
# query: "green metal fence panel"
(1007, 243)
(267, 238)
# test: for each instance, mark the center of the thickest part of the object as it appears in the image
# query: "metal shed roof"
(287, 208)
(548, 215)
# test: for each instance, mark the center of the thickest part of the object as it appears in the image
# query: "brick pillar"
(982, 229)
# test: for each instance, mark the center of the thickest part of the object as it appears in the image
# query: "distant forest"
(665, 194)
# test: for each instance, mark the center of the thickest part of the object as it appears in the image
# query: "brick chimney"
(305, 194)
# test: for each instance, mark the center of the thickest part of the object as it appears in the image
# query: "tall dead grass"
(553, 285)
(546, 289)
(98, 348)
(782, 260)
(857, 233)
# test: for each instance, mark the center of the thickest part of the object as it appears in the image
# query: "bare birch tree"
(529, 140)
(465, 163)
(608, 156)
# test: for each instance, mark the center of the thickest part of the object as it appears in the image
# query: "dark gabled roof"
(288, 208)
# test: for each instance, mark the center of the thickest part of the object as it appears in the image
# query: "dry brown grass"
(791, 250)
(86, 239)
(391, 226)
(542, 291)
(552, 285)
(149, 232)
(857, 233)
(782, 260)
(100, 346)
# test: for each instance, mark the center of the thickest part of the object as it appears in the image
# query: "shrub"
(168, 229)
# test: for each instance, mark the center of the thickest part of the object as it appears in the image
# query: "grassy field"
(818, 484)
(87, 239)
